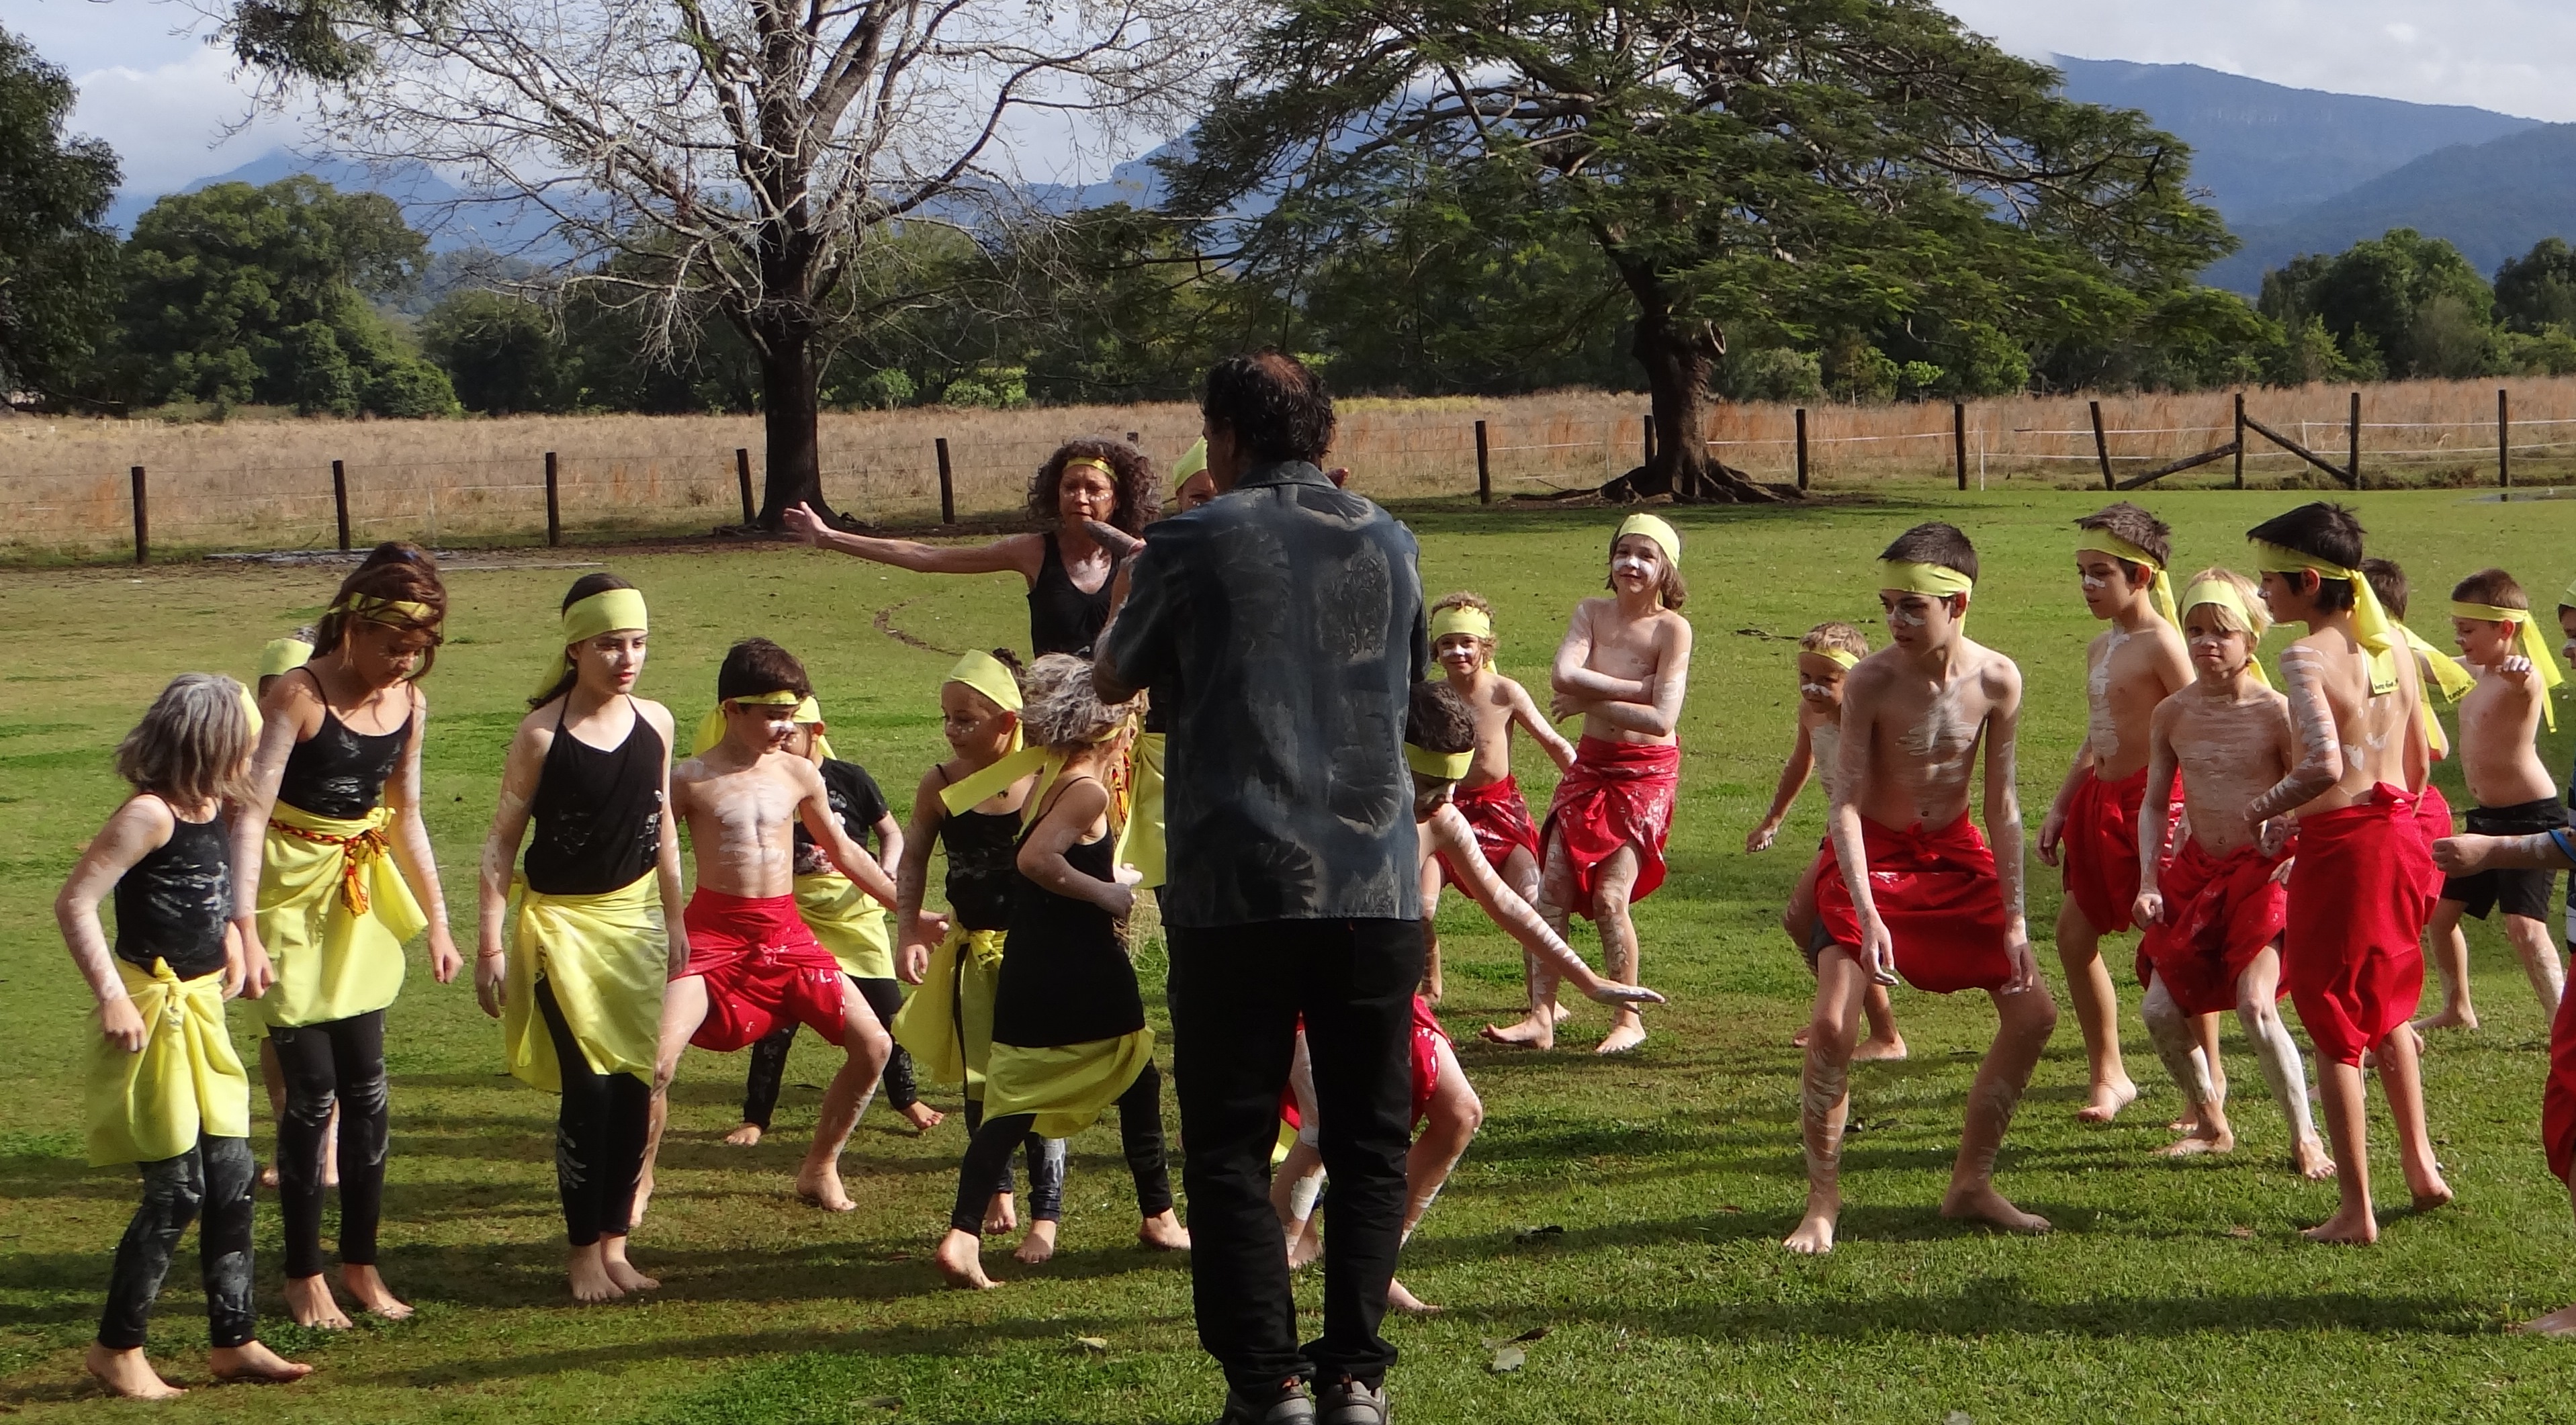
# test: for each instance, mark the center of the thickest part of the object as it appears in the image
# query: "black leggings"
(1046, 1169)
(769, 1058)
(599, 1136)
(213, 1176)
(1140, 1134)
(342, 1060)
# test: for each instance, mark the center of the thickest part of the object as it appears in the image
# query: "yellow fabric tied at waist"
(849, 922)
(606, 958)
(334, 915)
(185, 1084)
(947, 1025)
(1140, 841)
(1067, 1086)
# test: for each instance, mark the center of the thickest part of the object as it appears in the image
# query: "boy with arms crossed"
(1914, 890)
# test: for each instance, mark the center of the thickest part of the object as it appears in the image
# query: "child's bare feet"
(373, 1295)
(922, 1116)
(1815, 1234)
(746, 1136)
(1307, 1249)
(1798, 1040)
(309, 1303)
(2561, 1322)
(589, 1274)
(820, 1184)
(1877, 1051)
(128, 1374)
(960, 1260)
(2308, 1159)
(1039, 1245)
(1398, 1299)
(2107, 1101)
(2430, 1195)
(1164, 1233)
(2349, 1227)
(1984, 1204)
(268, 1176)
(1000, 1216)
(251, 1361)
(2451, 1018)
(612, 1255)
(1625, 1034)
(1537, 1030)
(2196, 1142)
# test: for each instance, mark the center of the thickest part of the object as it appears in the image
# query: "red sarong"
(2359, 897)
(2220, 911)
(1501, 821)
(1422, 1053)
(2100, 847)
(763, 968)
(1940, 898)
(1616, 794)
(2558, 1096)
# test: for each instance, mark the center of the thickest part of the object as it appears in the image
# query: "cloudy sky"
(151, 87)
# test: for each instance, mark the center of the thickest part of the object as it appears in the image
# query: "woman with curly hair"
(1092, 478)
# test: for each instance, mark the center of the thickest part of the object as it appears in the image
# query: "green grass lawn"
(2172, 1290)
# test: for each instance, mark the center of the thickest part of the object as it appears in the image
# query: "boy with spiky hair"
(1914, 890)
(2105, 807)
(2363, 885)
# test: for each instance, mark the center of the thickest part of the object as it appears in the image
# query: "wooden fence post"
(2240, 440)
(947, 487)
(554, 511)
(1802, 447)
(1134, 438)
(742, 476)
(2352, 470)
(2102, 447)
(2504, 441)
(142, 521)
(1484, 469)
(1959, 438)
(340, 500)
(1648, 422)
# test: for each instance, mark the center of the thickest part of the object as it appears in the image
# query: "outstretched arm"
(2003, 823)
(2320, 763)
(2468, 855)
(1793, 779)
(1020, 553)
(1525, 713)
(1450, 835)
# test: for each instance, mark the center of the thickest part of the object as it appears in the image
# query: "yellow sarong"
(1140, 841)
(334, 914)
(606, 958)
(850, 923)
(947, 1025)
(1067, 1086)
(185, 1084)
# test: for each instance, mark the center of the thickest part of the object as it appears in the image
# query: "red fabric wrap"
(1616, 794)
(2101, 848)
(1424, 1043)
(1501, 821)
(2359, 896)
(1938, 894)
(763, 968)
(2558, 1097)
(2220, 911)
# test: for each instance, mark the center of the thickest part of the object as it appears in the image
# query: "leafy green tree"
(2538, 289)
(57, 257)
(500, 350)
(2400, 304)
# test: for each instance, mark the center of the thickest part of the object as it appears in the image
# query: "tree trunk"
(1678, 356)
(790, 414)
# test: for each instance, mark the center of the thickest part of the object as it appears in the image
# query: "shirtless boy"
(1825, 654)
(1914, 890)
(1622, 668)
(1462, 640)
(753, 963)
(2107, 803)
(2499, 718)
(2210, 918)
(2363, 885)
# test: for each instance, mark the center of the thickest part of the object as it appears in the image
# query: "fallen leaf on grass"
(2240, 1232)
(883, 1402)
(1957, 1417)
(1535, 1333)
(1091, 1343)
(1506, 1360)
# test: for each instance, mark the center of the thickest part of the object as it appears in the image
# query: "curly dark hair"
(394, 573)
(1139, 494)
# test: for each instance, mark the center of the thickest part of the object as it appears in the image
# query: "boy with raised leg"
(1915, 891)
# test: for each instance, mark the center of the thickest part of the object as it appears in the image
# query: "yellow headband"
(1653, 527)
(1460, 618)
(282, 656)
(250, 709)
(809, 713)
(2371, 626)
(2534, 646)
(2159, 589)
(986, 674)
(2218, 593)
(1094, 462)
(385, 611)
(1193, 462)
(1442, 766)
(1842, 658)
(1932, 580)
(604, 612)
(711, 728)
(2454, 680)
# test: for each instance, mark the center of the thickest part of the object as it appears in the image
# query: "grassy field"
(2172, 1291)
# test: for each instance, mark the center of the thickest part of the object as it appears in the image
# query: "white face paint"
(1633, 567)
(2095, 583)
(1817, 691)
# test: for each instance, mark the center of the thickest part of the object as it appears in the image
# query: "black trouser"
(769, 1058)
(1046, 1168)
(599, 1135)
(1236, 993)
(342, 1060)
(215, 1176)
(1140, 1135)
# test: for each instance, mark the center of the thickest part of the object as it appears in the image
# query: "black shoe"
(1349, 1402)
(1287, 1406)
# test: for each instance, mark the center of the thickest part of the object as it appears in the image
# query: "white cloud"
(178, 121)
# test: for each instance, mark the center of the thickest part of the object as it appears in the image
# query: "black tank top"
(598, 815)
(1065, 977)
(337, 772)
(1062, 618)
(983, 856)
(174, 902)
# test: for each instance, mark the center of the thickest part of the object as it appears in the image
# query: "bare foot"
(2108, 1100)
(309, 1303)
(1398, 1299)
(1164, 1233)
(1039, 1245)
(2433, 1195)
(1559, 1014)
(2309, 1161)
(820, 1184)
(1307, 1249)
(1625, 1035)
(2453, 1019)
(251, 1361)
(2350, 1227)
(1878, 1051)
(1799, 1039)
(268, 1176)
(2185, 1124)
(2194, 1143)
(373, 1295)
(746, 1136)
(590, 1280)
(128, 1374)
(612, 1255)
(1815, 1234)
(1000, 1216)
(1537, 1031)
(1984, 1204)
(960, 1260)
(2561, 1322)
(922, 1116)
